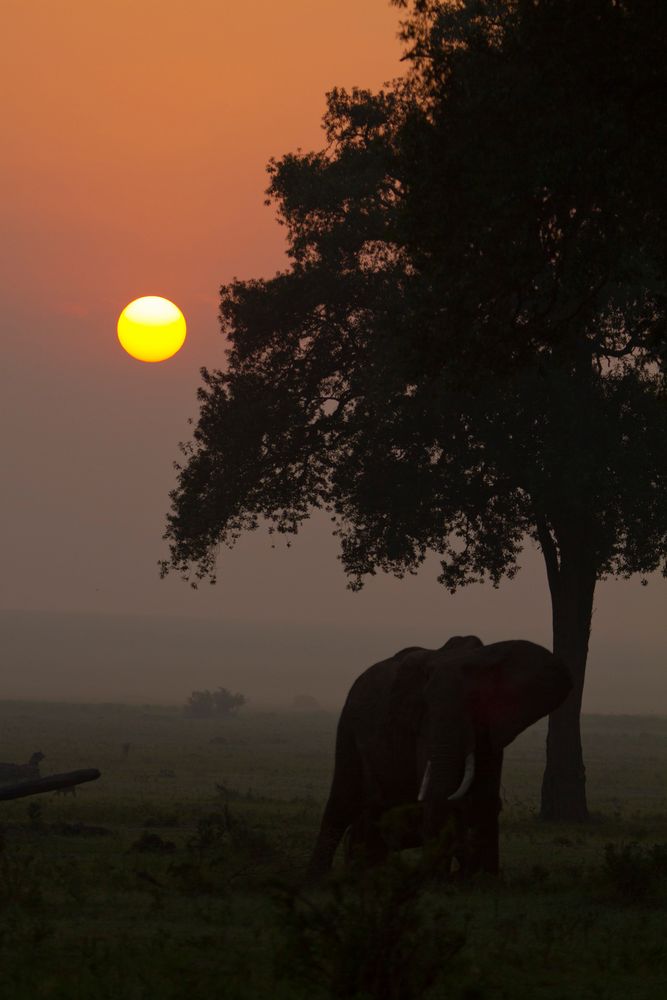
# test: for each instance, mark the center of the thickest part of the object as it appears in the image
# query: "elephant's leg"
(483, 817)
(344, 806)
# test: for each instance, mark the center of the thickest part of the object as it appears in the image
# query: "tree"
(226, 703)
(206, 704)
(467, 350)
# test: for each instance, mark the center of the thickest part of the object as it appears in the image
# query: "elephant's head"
(470, 701)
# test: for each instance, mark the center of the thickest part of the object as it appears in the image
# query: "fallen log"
(49, 784)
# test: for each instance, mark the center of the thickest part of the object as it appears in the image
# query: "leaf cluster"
(468, 345)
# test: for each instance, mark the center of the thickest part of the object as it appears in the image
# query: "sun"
(151, 328)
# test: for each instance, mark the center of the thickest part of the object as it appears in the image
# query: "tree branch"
(49, 784)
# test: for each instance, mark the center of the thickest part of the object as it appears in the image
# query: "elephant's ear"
(505, 726)
(406, 700)
(518, 684)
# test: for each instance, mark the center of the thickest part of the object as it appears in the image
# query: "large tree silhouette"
(467, 350)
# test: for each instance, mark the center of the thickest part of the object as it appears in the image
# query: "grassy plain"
(177, 874)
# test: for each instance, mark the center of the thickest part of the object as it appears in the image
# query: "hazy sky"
(135, 139)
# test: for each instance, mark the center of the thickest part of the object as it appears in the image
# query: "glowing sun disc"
(151, 328)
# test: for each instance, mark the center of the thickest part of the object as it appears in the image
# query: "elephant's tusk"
(425, 782)
(468, 775)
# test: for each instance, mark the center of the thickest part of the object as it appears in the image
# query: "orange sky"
(135, 135)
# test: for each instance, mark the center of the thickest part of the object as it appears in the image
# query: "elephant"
(419, 750)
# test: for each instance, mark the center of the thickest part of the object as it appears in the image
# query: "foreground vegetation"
(179, 872)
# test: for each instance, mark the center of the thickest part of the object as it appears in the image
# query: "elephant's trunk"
(449, 772)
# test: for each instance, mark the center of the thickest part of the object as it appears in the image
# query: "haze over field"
(159, 659)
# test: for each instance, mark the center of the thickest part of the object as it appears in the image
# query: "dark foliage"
(378, 936)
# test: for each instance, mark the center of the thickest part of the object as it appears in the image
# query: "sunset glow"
(151, 328)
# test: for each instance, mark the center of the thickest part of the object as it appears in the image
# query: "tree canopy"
(467, 348)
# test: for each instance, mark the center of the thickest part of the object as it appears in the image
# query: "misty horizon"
(151, 659)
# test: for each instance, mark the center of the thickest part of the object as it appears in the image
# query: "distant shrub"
(224, 829)
(212, 831)
(207, 704)
(636, 872)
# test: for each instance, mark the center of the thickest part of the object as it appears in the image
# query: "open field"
(177, 874)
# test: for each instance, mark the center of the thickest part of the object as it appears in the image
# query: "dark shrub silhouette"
(206, 704)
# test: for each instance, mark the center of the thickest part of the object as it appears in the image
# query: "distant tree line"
(207, 704)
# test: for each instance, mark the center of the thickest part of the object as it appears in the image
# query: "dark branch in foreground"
(50, 784)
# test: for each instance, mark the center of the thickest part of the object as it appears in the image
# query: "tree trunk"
(572, 584)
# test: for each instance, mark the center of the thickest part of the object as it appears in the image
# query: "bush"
(220, 703)
(374, 936)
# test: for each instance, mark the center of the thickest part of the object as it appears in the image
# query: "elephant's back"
(374, 711)
(373, 688)
(380, 733)
(369, 695)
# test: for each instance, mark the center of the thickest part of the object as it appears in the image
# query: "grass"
(178, 874)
